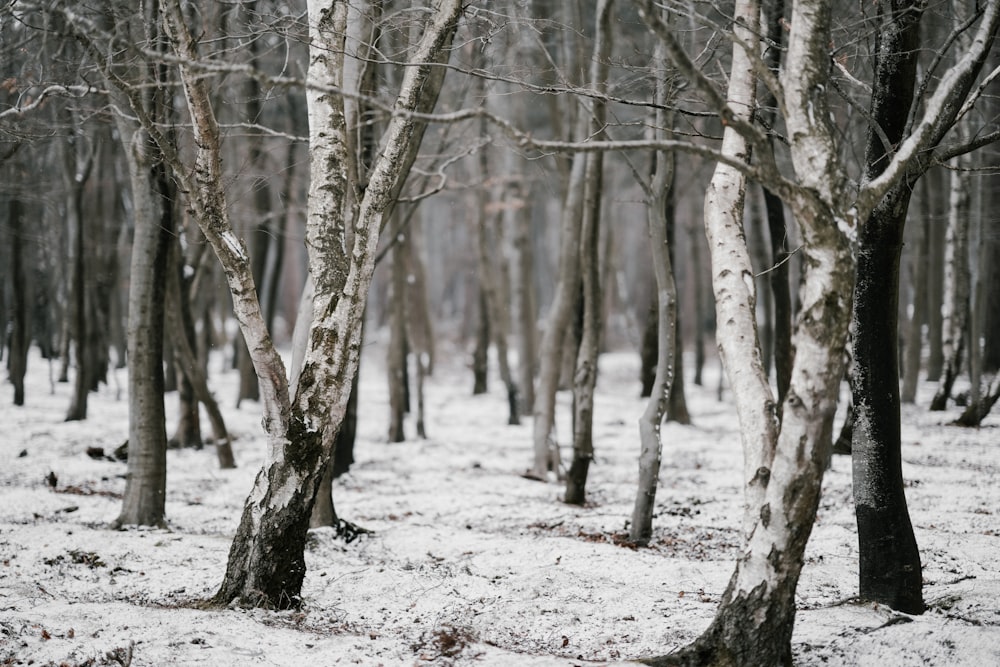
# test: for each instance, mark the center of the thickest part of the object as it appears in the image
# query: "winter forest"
(396, 332)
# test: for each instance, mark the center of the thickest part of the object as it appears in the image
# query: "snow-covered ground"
(469, 563)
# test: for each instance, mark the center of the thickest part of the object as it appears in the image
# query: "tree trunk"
(918, 281)
(489, 244)
(396, 351)
(991, 277)
(778, 272)
(563, 308)
(480, 355)
(955, 311)
(525, 293)
(937, 227)
(266, 564)
(585, 377)
(649, 346)
(181, 330)
(22, 293)
(783, 470)
(889, 561)
(641, 527)
(82, 324)
(677, 410)
(697, 238)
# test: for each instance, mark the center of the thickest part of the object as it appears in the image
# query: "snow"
(469, 563)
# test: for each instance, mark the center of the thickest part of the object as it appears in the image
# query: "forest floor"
(469, 563)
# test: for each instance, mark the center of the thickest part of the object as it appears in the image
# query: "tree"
(564, 303)
(889, 561)
(152, 197)
(585, 377)
(784, 463)
(20, 337)
(266, 564)
(641, 526)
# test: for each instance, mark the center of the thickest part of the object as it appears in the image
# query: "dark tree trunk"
(188, 433)
(991, 277)
(20, 335)
(191, 369)
(396, 353)
(480, 355)
(697, 238)
(82, 326)
(937, 233)
(648, 353)
(778, 273)
(781, 293)
(889, 561)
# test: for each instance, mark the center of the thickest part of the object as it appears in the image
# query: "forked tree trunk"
(889, 561)
(783, 471)
(20, 334)
(641, 527)
(266, 564)
(181, 331)
(564, 302)
(585, 377)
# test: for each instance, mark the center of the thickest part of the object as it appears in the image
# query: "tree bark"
(889, 561)
(480, 354)
(641, 526)
(396, 356)
(525, 291)
(83, 325)
(918, 281)
(22, 292)
(266, 563)
(783, 354)
(783, 471)
(563, 308)
(955, 309)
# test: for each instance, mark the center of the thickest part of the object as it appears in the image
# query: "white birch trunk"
(734, 289)
(266, 564)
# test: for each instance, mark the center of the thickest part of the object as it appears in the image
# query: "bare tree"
(641, 527)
